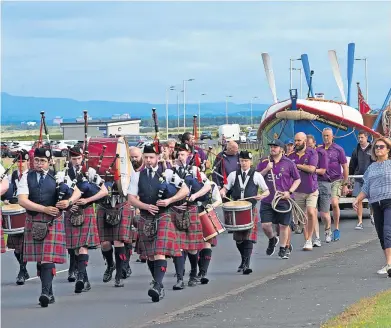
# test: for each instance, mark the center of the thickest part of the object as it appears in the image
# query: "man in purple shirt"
(188, 138)
(283, 171)
(338, 180)
(226, 162)
(306, 195)
(324, 187)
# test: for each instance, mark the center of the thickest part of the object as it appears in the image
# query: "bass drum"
(119, 173)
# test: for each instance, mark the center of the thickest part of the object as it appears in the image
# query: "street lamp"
(251, 110)
(184, 103)
(171, 88)
(301, 81)
(366, 76)
(290, 70)
(226, 108)
(199, 112)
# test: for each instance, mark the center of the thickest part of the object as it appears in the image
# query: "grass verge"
(371, 312)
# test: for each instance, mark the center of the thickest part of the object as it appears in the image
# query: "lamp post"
(290, 70)
(301, 80)
(251, 110)
(171, 88)
(199, 112)
(184, 103)
(226, 108)
(366, 76)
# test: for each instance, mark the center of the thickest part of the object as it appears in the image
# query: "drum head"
(13, 209)
(123, 166)
(237, 203)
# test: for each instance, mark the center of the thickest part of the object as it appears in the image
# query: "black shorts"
(268, 214)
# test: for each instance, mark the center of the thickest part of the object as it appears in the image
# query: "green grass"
(32, 137)
(371, 312)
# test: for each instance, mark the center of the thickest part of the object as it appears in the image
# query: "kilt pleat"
(86, 235)
(165, 242)
(250, 234)
(52, 248)
(191, 239)
(15, 242)
(3, 248)
(121, 232)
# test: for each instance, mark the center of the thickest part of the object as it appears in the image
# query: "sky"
(134, 51)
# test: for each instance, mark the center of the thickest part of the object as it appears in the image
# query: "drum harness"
(297, 212)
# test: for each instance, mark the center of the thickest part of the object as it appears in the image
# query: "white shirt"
(257, 178)
(195, 169)
(23, 188)
(216, 193)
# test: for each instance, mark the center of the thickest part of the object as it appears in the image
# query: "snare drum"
(121, 170)
(238, 215)
(14, 219)
(211, 225)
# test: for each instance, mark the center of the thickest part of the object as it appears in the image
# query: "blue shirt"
(377, 181)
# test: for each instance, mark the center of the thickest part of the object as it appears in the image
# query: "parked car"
(60, 148)
(242, 137)
(5, 149)
(16, 146)
(252, 136)
(206, 135)
(138, 140)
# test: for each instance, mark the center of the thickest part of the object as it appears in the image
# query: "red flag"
(225, 180)
(362, 104)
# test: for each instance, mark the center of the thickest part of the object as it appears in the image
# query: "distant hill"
(15, 109)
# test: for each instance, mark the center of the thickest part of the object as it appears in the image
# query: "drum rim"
(13, 212)
(15, 231)
(238, 208)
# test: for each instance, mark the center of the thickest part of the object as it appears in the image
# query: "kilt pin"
(86, 235)
(52, 248)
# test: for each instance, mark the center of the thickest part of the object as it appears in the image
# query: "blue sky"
(130, 51)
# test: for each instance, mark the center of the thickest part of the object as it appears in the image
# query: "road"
(105, 306)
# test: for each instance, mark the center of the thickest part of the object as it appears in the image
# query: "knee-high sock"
(247, 250)
(82, 262)
(120, 258)
(206, 258)
(179, 263)
(193, 258)
(240, 248)
(108, 255)
(72, 260)
(128, 253)
(151, 267)
(48, 271)
(160, 267)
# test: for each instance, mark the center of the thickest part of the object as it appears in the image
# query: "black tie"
(243, 176)
(150, 173)
(42, 177)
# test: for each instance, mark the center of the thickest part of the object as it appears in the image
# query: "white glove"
(60, 177)
(98, 179)
(91, 174)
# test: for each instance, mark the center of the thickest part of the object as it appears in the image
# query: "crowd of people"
(169, 190)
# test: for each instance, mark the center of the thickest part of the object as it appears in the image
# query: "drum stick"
(248, 198)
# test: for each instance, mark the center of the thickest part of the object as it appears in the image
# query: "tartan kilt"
(3, 248)
(52, 248)
(250, 234)
(16, 242)
(121, 232)
(192, 239)
(86, 235)
(165, 242)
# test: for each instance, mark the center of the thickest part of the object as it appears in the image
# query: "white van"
(230, 132)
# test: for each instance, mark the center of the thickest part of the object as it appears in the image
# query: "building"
(100, 128)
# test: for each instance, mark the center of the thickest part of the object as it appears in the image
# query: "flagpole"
(358, 96)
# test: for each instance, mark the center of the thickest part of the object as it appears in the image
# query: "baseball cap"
(276, 142)
(289, 141)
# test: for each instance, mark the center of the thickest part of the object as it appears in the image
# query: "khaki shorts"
(306, 200)
(336, 188)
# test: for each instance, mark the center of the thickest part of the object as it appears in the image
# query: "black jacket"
(360, 160)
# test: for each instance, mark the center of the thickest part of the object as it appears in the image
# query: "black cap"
(149, 149)
(245, 154)
(75, 151)
(42, 153)
(24, 155)
(182, 147)
(276, 142)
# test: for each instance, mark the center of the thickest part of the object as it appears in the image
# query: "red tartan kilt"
(121, 232)
(52, 248)
(250, 234)
(3, 248)
(15, 242)
(86, 235)
(165, 242)
(192, 239)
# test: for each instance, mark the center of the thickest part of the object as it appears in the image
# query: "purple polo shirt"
(337, 157)
(309, 181)
(201, 153)
(230, 162)
(323, 163)
(285, 173)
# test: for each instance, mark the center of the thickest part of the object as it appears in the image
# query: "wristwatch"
(290, 192)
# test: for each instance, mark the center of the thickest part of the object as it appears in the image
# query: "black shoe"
(283, 253)
(289, 249)
(192, 281)
(118, 282)
(108, 275)
(87, 286)
(179, 285)
(26, 274)
(240, 268)
(51, 299)
(272, 246)
(79, 286)
(204, 280)
(44, 300)
(156, 292)
(126, 272)
(71, 276)
(20, 279)
(246, 266)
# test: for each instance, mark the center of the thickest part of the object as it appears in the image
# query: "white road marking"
(36, 277)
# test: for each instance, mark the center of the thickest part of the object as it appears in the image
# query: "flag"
(363, 107)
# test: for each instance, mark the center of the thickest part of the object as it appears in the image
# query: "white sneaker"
(307, 245)
(327, 236)
(359, 226)
(382, 270)
(317, 242)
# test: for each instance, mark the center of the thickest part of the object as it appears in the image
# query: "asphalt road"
(105, 306)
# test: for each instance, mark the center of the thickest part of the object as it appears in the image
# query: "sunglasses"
(380, 146)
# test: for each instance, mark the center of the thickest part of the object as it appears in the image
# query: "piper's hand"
(6, 202)
(192, 198)
(52, 211)
(355, 204)
(82, 201)
(181, 207)
(163, 202)
(62, 204)
(60, 177)
(74, 208)
(345, 190)
(153, 209)
(258, 197)
(137, 211)
(269, 166)
(285, 195)
(223, 192)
